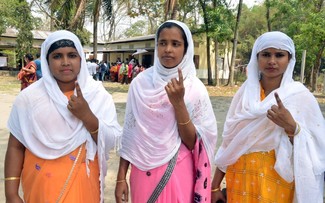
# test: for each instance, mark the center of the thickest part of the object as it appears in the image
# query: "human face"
(273, 63)
(64, 64)
(171, 47)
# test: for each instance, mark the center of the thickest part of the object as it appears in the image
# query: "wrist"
(293, 131)
(215, 189)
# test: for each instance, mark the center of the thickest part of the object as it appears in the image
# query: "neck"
(270, 84)
(66, 87)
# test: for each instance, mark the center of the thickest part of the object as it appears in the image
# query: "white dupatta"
(150, 134)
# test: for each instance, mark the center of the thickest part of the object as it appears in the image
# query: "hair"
(29, 56)
(38, 55)
(59, 44)
(171, 25)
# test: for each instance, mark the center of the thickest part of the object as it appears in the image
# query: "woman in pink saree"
(170, 130)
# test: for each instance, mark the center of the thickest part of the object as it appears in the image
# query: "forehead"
(173, 33)
(274, 50)
(64, 50)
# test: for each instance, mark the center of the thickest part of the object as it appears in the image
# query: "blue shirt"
(38, 68)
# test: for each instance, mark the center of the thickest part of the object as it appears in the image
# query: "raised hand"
(175, 89)
(281, 116)
(77, 105)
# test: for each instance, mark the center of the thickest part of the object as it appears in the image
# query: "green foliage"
(84, 36)
(24, 25)
(136, 29)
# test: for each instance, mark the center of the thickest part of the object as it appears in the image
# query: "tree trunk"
(316, 68)
(267, 3)
(216, 72)
(205, 18)
(96, 18)
(77, 17)
(234, 49)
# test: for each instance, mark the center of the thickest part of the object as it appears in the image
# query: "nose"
(65, 61)
(272, 59)
(168, 48)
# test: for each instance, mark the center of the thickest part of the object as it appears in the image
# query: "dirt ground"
(9, 89)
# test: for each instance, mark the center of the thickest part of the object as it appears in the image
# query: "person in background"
(37, 61)
(124, 73)
(273, 140)
(170, 130)
(27, 74)
(103, 69)
(61, 130)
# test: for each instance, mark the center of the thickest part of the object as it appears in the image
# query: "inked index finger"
(78, 90)
(278, 100)
(180, 76)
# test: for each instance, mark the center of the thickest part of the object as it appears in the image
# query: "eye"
(162, 43)
(176, 44)
(73, 55)
(56, 56)
(265, 54)
(279, 55)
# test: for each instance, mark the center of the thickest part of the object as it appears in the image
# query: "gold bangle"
(216, 190)
(93, 132)
(185, 122)
(12, 178)
(120, 181)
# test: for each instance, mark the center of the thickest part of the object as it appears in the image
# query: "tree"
(24, 25)
(234, 49)
(300, 18)
(136, 29)
(107, 5)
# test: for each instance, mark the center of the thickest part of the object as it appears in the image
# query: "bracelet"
(185, 122)
(215, 190)
(93, 132)
(12, 178)
(297, 131)
(120, 181)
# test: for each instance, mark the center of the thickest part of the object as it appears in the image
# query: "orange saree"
(46, 180)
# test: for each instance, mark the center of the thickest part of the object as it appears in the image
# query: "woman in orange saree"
(61, 130)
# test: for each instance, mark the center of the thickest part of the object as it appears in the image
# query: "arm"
(176, 91)
(216, 193)
(121, 188)
(13, 166)
(32, 69)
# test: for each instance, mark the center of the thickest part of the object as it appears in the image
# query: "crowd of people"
(120, 71)
(272, 144)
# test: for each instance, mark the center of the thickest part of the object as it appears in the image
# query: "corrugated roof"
(37, 34)
(134, 39)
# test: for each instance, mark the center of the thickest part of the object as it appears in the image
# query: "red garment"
(130, 67)
(27, 78)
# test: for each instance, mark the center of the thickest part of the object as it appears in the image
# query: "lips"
(67, 70)
(168, 57)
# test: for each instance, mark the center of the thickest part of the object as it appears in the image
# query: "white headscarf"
(41, 121)
(247, 129)
(150, 135)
